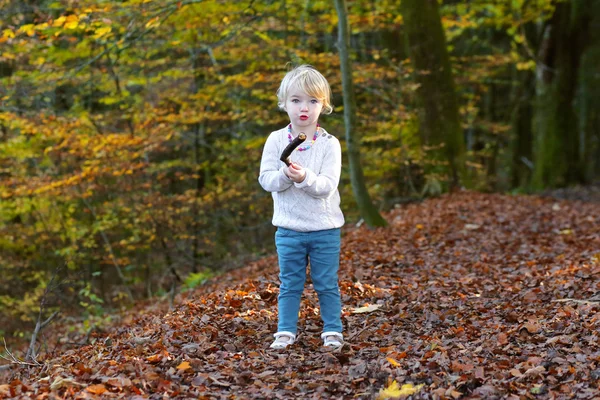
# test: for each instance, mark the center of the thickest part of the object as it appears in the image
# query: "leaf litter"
(467, 295)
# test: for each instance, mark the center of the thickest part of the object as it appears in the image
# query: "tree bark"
(522, 136)
(589, 98)
(559, 158)
(366, 208)
(440, 124)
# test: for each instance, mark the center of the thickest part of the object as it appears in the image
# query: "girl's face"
(302, 109)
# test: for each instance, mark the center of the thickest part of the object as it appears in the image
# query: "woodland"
(136, 246)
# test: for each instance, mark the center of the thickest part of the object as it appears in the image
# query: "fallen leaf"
(96, 389)
(366, 309)
(154, 358)
(264, 374)
(502, 338)
(358, 370)
(530, 297)
(479, 373)
(393, 362)
(218, 382)
(516, 373)
(119, 382)
(395, 391)
(535, 371)
(532, 328)
(64, 382)
(183, 366)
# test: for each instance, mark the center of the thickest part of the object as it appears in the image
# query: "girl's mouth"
(303, 117)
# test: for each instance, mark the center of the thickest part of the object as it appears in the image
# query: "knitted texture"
(313, 204)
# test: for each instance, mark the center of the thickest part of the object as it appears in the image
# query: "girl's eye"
(295, 100)
(314, 101)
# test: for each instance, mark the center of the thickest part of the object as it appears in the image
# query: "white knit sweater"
(313, 204)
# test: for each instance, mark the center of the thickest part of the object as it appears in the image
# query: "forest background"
(131, 131)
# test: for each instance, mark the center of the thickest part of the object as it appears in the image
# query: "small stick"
(287, 152)
(13, 360)
(588, 302)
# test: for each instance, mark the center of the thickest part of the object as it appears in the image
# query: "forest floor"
(467, 295)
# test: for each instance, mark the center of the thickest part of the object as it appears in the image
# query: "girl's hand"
(296, 172)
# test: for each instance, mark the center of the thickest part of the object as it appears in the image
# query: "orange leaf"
(393, 362)
(154, 359)
(502, 338)
(532, 328)
(96, 389)
(183, 366)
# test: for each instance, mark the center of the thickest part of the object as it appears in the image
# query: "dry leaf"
(394, 391)
(96, 389)
(515, 372)
(532, 328)
(535, 371)
(393, 362)
(183, 366)
(366, 309)
(64, 382)
(502, 338)
(154, 358)
(479, 373)
(119, 382)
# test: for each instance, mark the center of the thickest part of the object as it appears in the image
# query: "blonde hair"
(311, 81)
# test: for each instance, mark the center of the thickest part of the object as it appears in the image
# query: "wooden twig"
(12, 359)
(578, 301)
(31, 355)
(38, 328)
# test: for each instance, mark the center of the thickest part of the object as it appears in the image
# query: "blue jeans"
(294, 250)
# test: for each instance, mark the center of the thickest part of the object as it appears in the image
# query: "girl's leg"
(293, 259)
(324, 264)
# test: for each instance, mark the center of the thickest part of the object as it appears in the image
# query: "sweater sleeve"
(324, 183)
(272, 178)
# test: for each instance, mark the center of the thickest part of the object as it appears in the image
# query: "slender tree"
(590, 97)
(426, 42)
(559, 136)
(367, 210)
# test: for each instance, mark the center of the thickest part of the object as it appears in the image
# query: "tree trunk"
(366, 208)
(589, 98)
(522, 98)
(558, 154)
(522, 136)
(440, 125)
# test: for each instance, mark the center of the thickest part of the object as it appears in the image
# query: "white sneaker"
(332, 339)
(283, 340)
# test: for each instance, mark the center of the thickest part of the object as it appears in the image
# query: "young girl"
(306, 201)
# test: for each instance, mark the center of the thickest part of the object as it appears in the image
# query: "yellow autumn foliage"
(395, 391)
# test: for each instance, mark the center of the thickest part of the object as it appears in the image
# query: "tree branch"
(31, 354)
(12, 359)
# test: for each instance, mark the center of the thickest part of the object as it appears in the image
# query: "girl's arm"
(326, 182)
(272, 177)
